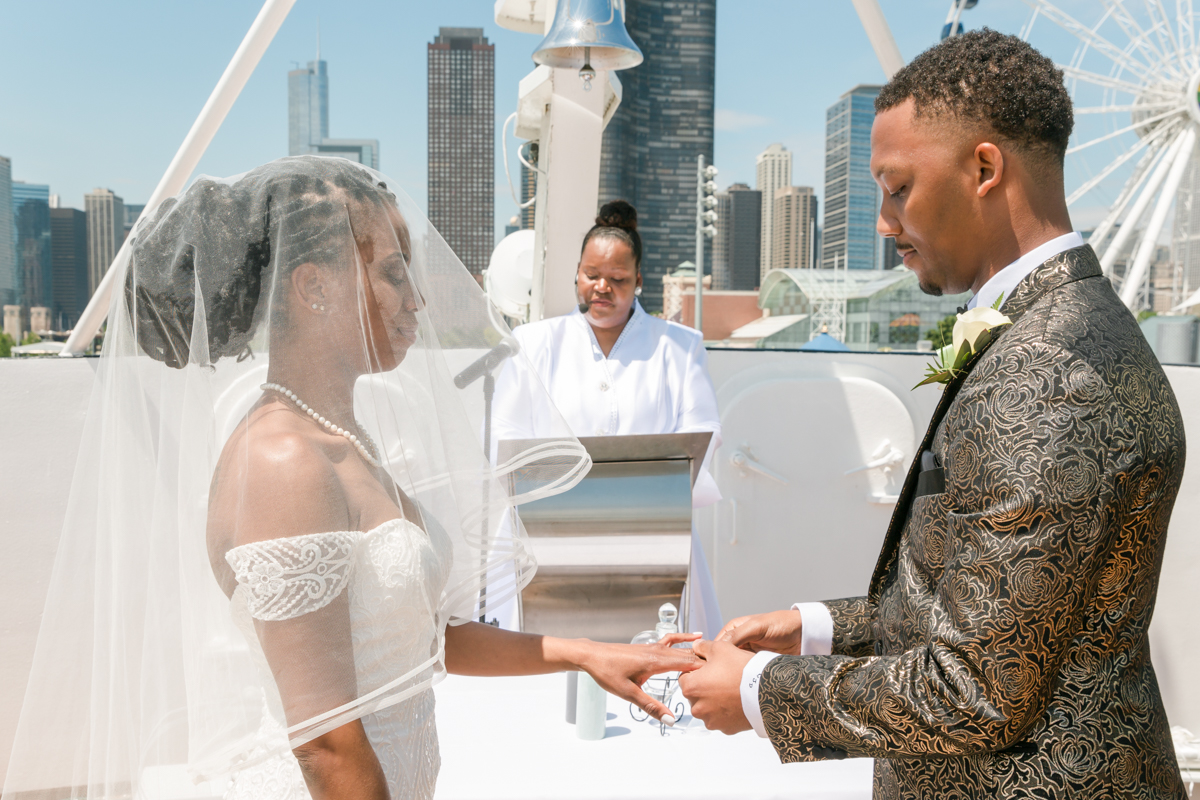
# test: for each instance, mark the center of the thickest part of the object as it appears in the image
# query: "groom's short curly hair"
(993, 80)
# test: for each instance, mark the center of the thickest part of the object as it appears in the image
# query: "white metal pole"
(1113, 251)
(248, 54)
(699, 315)
(882, 41)
(1141, 261)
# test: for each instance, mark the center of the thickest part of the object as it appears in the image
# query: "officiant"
(613, 369)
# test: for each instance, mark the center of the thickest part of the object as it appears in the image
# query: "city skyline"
(379, 75)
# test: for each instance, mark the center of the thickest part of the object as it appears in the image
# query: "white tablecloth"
(507, 738)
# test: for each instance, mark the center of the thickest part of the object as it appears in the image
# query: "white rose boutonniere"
(972, 331)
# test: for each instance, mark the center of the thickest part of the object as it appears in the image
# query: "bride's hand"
(621, 669)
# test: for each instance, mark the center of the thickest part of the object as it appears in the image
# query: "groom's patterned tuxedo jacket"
(1002, 648)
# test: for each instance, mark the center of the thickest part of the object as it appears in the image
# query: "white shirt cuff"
(751, 674)
(816, 629)
(816, 639)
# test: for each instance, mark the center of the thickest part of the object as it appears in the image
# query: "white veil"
(314, 268)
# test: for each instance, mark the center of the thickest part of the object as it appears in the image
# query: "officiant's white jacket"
(654, 380)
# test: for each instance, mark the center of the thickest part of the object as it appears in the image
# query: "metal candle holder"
(661, 688)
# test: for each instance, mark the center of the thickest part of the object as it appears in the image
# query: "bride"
(283, 512)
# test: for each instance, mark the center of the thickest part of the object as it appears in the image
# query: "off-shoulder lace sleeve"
(287, 578)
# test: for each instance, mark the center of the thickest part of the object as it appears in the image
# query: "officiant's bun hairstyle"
(617, 220)
(232, 239)
(994, 80)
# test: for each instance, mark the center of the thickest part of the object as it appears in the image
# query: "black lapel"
(891, 542)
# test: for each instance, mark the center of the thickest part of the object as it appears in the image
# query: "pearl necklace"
(371, 456)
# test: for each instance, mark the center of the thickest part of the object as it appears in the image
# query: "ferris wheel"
(1133, 74)
(1133, 69)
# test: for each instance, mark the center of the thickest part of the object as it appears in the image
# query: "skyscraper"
(462, 143)
(664, 121)
(105, 232)
(69, 262)
(132, 212)
(8, 255)
(851, 196)
(736, 247)
(308, 118)
(773, 172)
(31, 213)
(794, 228)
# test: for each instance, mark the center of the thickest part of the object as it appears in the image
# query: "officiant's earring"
(637, 292)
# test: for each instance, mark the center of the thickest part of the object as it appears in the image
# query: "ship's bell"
(590, 35)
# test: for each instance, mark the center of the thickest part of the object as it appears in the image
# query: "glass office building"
(69, 262)
(736, 247)
(851, 195)
(664, 121)
(308, 119)
(31, 219)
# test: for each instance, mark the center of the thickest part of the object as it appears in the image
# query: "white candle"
(591, 709)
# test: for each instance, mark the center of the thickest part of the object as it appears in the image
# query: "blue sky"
(101, 93)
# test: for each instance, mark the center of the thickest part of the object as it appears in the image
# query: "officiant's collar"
(1006, 280)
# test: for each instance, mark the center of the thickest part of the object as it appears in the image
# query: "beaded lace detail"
(394, 576)
(285, 578)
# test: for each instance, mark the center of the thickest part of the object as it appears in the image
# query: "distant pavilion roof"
(849, 284)
(44, 348)
(766, 326)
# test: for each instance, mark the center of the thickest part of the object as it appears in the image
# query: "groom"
(1001, 649)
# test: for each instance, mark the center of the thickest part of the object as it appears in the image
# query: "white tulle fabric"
(197, 627)
(393, 576)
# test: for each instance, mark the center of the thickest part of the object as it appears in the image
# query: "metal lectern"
(618, 545)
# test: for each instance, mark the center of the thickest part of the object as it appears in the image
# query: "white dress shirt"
(817, 624)
(1004, 281)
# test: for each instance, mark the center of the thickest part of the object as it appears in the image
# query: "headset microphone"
(583, 307)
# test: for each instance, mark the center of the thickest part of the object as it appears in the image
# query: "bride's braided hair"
(222, 238)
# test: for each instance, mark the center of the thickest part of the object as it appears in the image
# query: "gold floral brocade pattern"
(1002, 648)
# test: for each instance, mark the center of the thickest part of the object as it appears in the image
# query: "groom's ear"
(989, 166)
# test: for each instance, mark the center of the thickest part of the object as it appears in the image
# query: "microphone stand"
(484, 367)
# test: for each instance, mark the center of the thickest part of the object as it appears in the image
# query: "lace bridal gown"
(393, 576)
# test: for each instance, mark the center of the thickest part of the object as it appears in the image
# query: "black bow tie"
(961, 310)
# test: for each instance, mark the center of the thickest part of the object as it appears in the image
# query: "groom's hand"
(715, 690)
(778, 631)
(621, 669)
